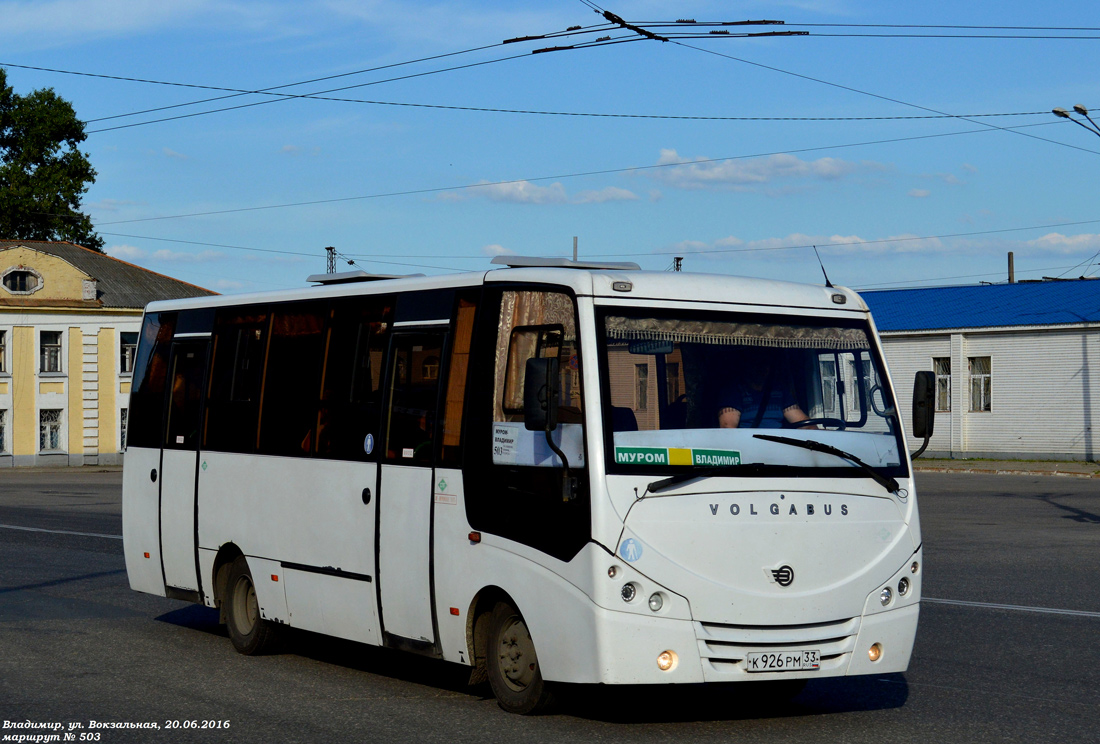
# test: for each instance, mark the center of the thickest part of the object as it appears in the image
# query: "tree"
(42, 173)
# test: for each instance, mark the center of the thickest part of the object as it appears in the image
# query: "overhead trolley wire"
(562, 176)
(882, 97)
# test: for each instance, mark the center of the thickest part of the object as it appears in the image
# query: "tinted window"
(351, 388)
(150, 377)
(233, 408)
(292, 379)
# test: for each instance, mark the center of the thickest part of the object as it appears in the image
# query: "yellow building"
(69, 322)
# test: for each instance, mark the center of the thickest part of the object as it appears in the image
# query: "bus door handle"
(366, 495)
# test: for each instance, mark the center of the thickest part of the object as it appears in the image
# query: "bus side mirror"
(540, 394)
(924, 408)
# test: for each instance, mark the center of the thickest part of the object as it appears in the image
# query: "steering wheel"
(834, 422)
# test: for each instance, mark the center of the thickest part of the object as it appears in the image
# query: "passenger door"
(405, 488)
(179, 465)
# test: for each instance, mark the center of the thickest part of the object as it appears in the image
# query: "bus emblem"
(784, 575)
(631, 549)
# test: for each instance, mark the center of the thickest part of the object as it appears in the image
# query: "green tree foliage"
(42, 173)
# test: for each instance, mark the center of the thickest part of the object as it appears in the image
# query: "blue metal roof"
(985, 306)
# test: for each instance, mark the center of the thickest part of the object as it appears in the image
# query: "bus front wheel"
(512, 665)
(249, 633)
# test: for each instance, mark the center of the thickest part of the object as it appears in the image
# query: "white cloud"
(60, 19)
(125, 252)
(170, 153)
(797, 246)
(290, 149)
(163, 255)
(228, 285)
(751, 173)
(496, 250)
(608, 194)
(166, 256)
(1059, 243)
(919, 193)
(525, 192)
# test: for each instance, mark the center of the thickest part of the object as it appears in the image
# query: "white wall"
(1045, 391)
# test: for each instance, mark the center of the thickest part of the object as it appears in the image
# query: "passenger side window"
(292, 380)
(150, 380)
(534, 325)
(351, 388)
(233, 407)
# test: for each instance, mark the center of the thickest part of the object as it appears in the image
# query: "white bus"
(550, 472)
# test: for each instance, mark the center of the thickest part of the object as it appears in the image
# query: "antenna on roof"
(827, 282)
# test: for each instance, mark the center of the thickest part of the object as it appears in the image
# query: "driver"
(762, 397)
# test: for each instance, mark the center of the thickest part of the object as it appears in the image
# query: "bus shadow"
(732, 701)
(609, 704)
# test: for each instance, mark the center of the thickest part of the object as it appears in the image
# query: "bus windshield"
(711, 390)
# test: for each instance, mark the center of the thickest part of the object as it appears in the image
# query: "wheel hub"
(517, 655)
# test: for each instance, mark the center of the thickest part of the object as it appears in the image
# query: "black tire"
(249, 632)
(513, 666)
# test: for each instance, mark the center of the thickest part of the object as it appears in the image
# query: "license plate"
(782, 661)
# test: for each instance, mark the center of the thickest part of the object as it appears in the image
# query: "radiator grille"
(723, 647)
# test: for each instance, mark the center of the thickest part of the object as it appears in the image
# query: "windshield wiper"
(885, 481)
(752, 468)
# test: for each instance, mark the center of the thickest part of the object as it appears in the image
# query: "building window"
(828, 385)
(942, 367)
(430, 368)
(3, 431)
(672, 376)
(127, 351)
(49, 430)
(22, 281)
(3, 351)
(641, 387)
(980, 384)
(50, 359)
(122, 428)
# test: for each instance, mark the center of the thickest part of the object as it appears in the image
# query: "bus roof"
(630, 285)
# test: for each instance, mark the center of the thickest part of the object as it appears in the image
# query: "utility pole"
(331, 265)
(676, 262)
(1011, 268)
(574, 248)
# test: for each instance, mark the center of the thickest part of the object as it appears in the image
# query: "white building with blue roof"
(1017, 365)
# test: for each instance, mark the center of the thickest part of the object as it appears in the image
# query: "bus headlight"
(629, 592)
(655, 602)
(885, 596)
(667, 660)
(903, 587)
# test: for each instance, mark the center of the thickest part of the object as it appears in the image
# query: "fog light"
(667, 660)
(915, 567)
(629, 592)
(903, 587)
(655, 602)
(875, 652)
(885, 596)
(612, 572)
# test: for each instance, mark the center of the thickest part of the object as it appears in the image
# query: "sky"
(736, 154)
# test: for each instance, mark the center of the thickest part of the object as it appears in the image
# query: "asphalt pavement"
(1006, 649)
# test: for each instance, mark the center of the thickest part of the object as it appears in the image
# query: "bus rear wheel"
(512, 664)
(249, 633)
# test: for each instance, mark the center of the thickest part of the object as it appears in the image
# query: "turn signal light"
(875, 652)
(667, 660)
